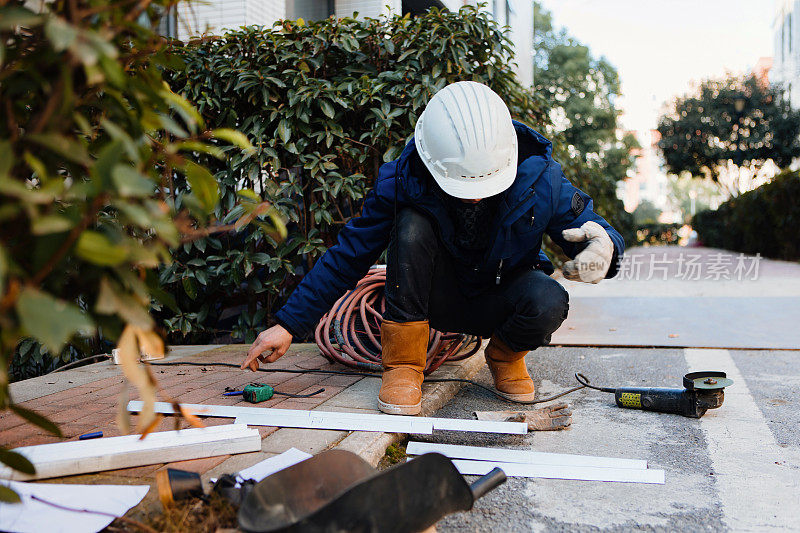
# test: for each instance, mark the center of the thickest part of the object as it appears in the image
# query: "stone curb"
(372, 446)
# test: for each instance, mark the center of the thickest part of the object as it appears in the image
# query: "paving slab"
(687, 297)
(710, 322)
(86, 399)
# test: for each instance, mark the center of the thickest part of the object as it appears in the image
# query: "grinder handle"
(488, 483)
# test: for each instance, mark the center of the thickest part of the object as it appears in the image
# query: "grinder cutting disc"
(707, 380)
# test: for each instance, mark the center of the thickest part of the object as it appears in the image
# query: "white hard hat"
(467, 141)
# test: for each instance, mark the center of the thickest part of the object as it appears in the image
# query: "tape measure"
(257, 392)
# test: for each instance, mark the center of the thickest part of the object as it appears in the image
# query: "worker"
(463, 211)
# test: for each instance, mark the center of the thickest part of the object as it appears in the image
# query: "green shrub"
(764, 221)
(657, 233)
(90, 141)
(325, 103)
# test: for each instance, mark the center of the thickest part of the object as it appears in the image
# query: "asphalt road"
(735, 469)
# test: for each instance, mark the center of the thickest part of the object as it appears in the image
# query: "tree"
(690, 196)
(646, 213)
(728, 130)
(91, 140)
(581, 90)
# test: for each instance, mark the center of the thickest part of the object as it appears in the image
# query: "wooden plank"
(406, 425)
(584, 473)
(478, 453)
(291, 415)
(111, 453)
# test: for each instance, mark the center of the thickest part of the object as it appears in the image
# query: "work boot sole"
(393, 409)
(524, 397)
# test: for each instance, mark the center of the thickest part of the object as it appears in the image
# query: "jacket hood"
(414, 177)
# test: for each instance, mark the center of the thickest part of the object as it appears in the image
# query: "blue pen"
(92, 435)
(232, 393)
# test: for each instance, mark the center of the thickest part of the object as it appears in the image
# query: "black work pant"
(422, 283)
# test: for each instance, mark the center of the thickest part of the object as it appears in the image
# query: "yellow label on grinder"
(630, 399)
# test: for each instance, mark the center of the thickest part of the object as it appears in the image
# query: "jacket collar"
(535, 153)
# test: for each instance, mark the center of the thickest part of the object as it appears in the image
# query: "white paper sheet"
(267, 467)
(32, 516)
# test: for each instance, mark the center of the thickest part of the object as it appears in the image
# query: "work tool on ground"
(549, 418)
(174, 485)
(261, 392)
(701, 391)
(257, 392)
(338, 491)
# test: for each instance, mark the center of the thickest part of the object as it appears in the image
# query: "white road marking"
(758, 481)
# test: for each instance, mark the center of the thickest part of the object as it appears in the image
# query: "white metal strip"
(109, 445)
(111, 453)
(585, 473)
(407, 425)
(479, 426)
(276, 415)
(477, 453)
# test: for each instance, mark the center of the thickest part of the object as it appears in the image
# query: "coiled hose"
(350, 332)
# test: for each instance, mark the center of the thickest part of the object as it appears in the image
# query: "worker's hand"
(268, 347)
(592, 264)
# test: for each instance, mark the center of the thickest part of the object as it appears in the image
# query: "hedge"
(325, 104)
(657, 234)
(764, 220)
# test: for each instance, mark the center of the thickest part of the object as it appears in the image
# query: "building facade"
(216, 16)
(785, 69)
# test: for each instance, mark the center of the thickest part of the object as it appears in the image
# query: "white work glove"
(592, 264)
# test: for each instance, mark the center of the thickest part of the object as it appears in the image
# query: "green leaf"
(62, 34)
(50, 224)
(204, 186)
(18, 16)
(52, 322)
(108, 156)
(249, 194)
(190, 286)
(391, 153)
(184, 108)
(198, 146)
(36, 419)
(17, 461)
(64, 146)
(98, 249)
(327, 108)
(130, 182)
(284, 132)
(236, 138)
(7, 495)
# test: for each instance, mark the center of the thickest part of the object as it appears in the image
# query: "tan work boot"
(511, 378)
(404, 350)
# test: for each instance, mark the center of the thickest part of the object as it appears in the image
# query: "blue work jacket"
(541, 200)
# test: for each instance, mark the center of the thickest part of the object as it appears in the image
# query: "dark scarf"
(472, 222)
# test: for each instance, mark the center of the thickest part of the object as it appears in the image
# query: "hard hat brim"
(477, 189)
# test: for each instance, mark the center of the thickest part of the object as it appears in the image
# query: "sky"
(660, 47)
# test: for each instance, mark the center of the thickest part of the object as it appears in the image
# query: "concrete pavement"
(735, 469)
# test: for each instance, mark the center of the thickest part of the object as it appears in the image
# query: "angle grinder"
(701, 391)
